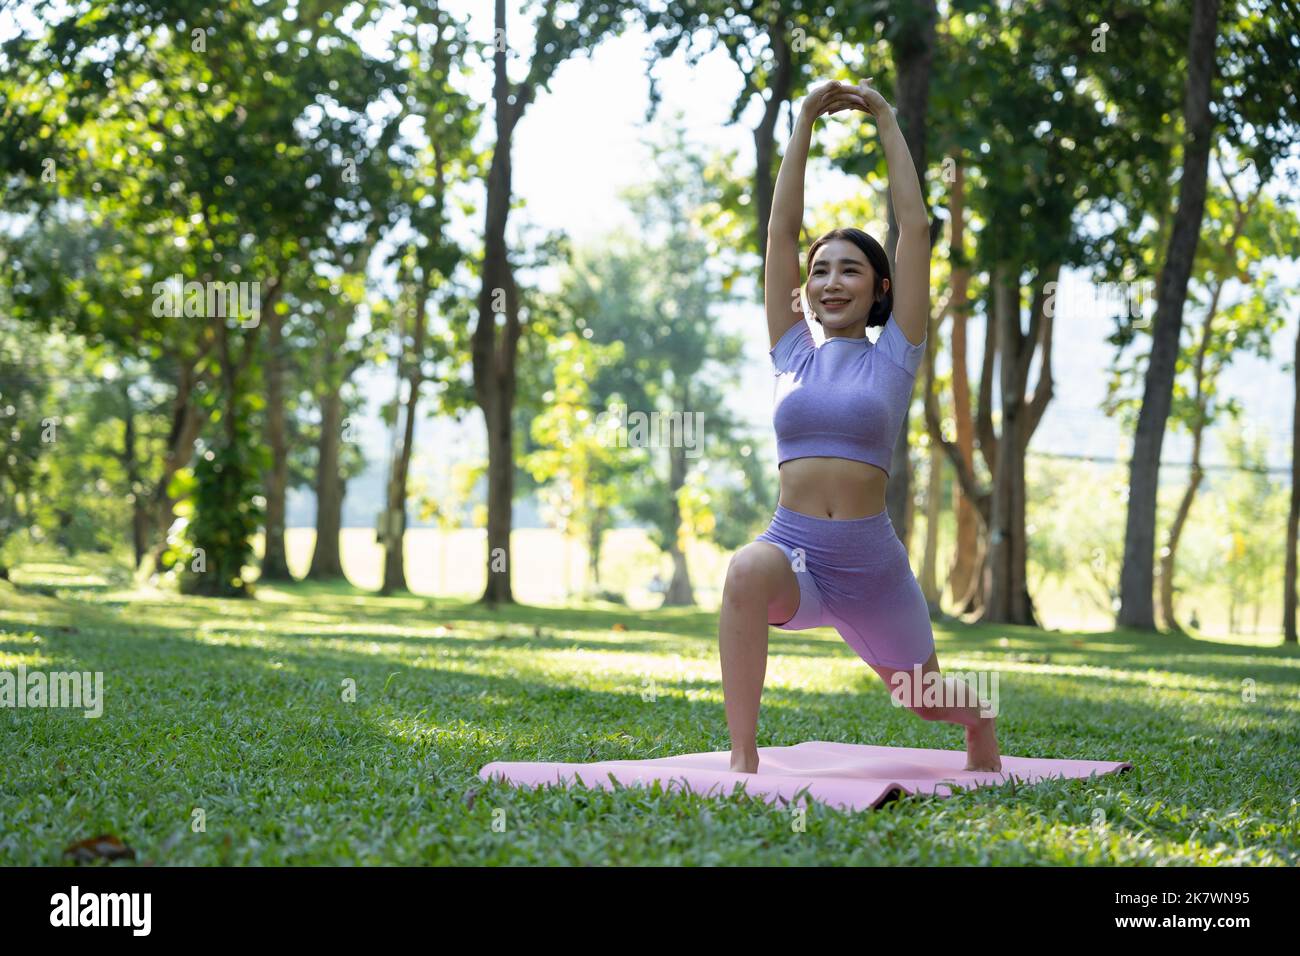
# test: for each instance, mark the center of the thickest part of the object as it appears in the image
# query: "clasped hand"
(835, 96)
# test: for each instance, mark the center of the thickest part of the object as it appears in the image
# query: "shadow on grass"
(261, 681)
(1046, 718)
(299, 664)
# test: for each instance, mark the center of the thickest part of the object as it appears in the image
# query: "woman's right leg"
(760, 589)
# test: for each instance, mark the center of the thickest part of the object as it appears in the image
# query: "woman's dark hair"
(875, 254)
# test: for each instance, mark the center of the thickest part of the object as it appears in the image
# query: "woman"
(830, 555)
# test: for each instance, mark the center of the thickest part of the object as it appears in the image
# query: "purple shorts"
(855, 576)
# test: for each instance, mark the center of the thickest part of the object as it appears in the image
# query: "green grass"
(234, 707)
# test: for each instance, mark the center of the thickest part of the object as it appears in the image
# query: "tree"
(654, 293)
(574, 461)
(911, 34)
(1045, 150)
(1293, 512)
(240, 166)
(1240, 233)
(24, 406)
(450, 125)
(494, 358)
(1260, 118)
(1251, 500)
(335, 359)
(1144, 469)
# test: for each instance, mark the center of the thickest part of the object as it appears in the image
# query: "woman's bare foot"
(742, 762)
(982, 746)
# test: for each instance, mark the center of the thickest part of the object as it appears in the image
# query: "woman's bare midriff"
(837, 488)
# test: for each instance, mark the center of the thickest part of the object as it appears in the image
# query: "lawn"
(226, 737)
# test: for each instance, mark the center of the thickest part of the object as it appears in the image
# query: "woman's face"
(841, 285)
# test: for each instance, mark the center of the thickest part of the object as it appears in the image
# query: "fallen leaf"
(103, 847)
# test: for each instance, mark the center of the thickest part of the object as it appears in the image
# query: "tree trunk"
(392, 533)
(1169, 554)
(595, 536)
(229, 396)
(928, 576)
(913, 51)
(275, 566)
(765, 133)
(1006, 584)
(1136, 593)
(225, 557)
(971, 602)
(1200, 405)
(1293, 514)
(223, 566)
(493, 359)
(934, 491)
(500, 496)
(680, 593)
(139, 512)
(394, 564)
(187, 420)
(999, 571)
(325, 561)
(965, 560)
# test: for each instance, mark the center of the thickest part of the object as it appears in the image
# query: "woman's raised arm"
(781, 270)
(912, 257)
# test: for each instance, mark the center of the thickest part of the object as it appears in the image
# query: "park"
(595, 434)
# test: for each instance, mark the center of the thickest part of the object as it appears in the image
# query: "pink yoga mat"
(845, 776)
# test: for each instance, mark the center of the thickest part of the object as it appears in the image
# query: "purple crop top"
(844, 398)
